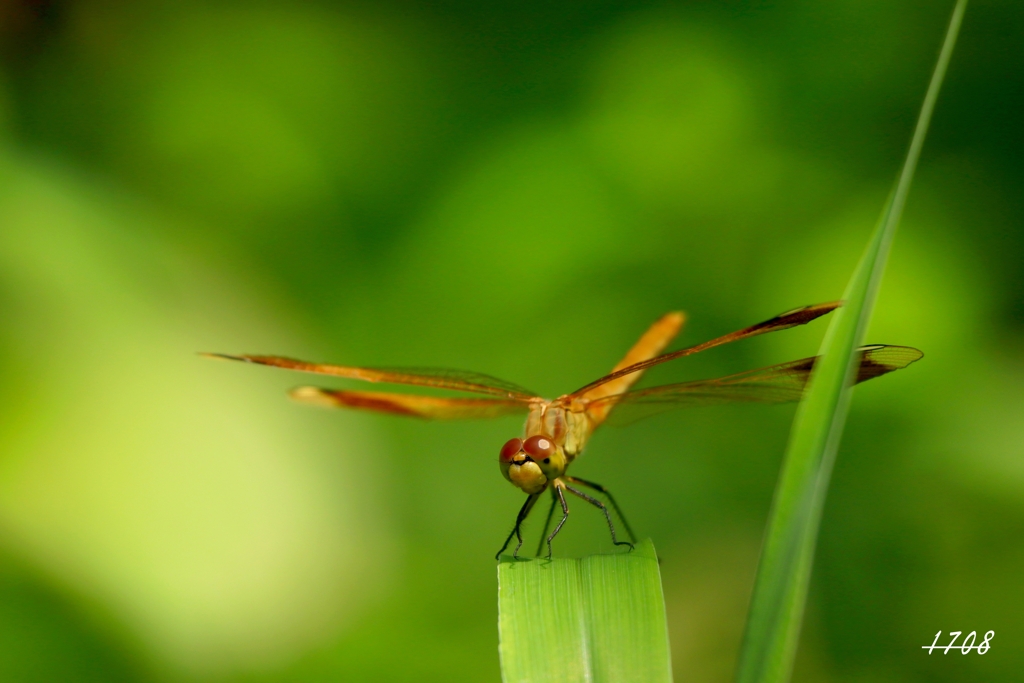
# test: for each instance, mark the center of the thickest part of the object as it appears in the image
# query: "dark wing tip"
(246, 358)
(794, 317)
(805, 314)
(881, 359)
(222, 356)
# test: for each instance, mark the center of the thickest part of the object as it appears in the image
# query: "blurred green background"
(517, 188)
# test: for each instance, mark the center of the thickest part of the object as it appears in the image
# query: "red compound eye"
(511, 449)
(538, 447)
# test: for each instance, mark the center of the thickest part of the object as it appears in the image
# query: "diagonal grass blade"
(780, 589)
(596, 619)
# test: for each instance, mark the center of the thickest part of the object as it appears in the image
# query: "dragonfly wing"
(426, 407)
(654, 340)
(880, 359)
(775, 384)
(784, 321)
(438, 378)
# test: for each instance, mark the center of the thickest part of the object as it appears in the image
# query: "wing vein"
(780, 383)
(799, 316)
(438, 378)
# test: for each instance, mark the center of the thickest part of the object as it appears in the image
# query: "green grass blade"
(596, 619)
(780, 589)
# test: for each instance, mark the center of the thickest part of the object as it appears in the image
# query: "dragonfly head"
(532, 463)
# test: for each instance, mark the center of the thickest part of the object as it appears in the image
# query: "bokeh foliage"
(519, 189)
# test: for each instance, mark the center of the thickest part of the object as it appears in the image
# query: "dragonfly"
(557, 430)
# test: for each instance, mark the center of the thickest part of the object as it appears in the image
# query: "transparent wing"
(776, 384)
(426, 407)
(439, 378)
(799, 316)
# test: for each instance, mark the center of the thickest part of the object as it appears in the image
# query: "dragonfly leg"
(604, 509)
(547, 522)
(565, 516)
(517, 531)
(611, 499)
